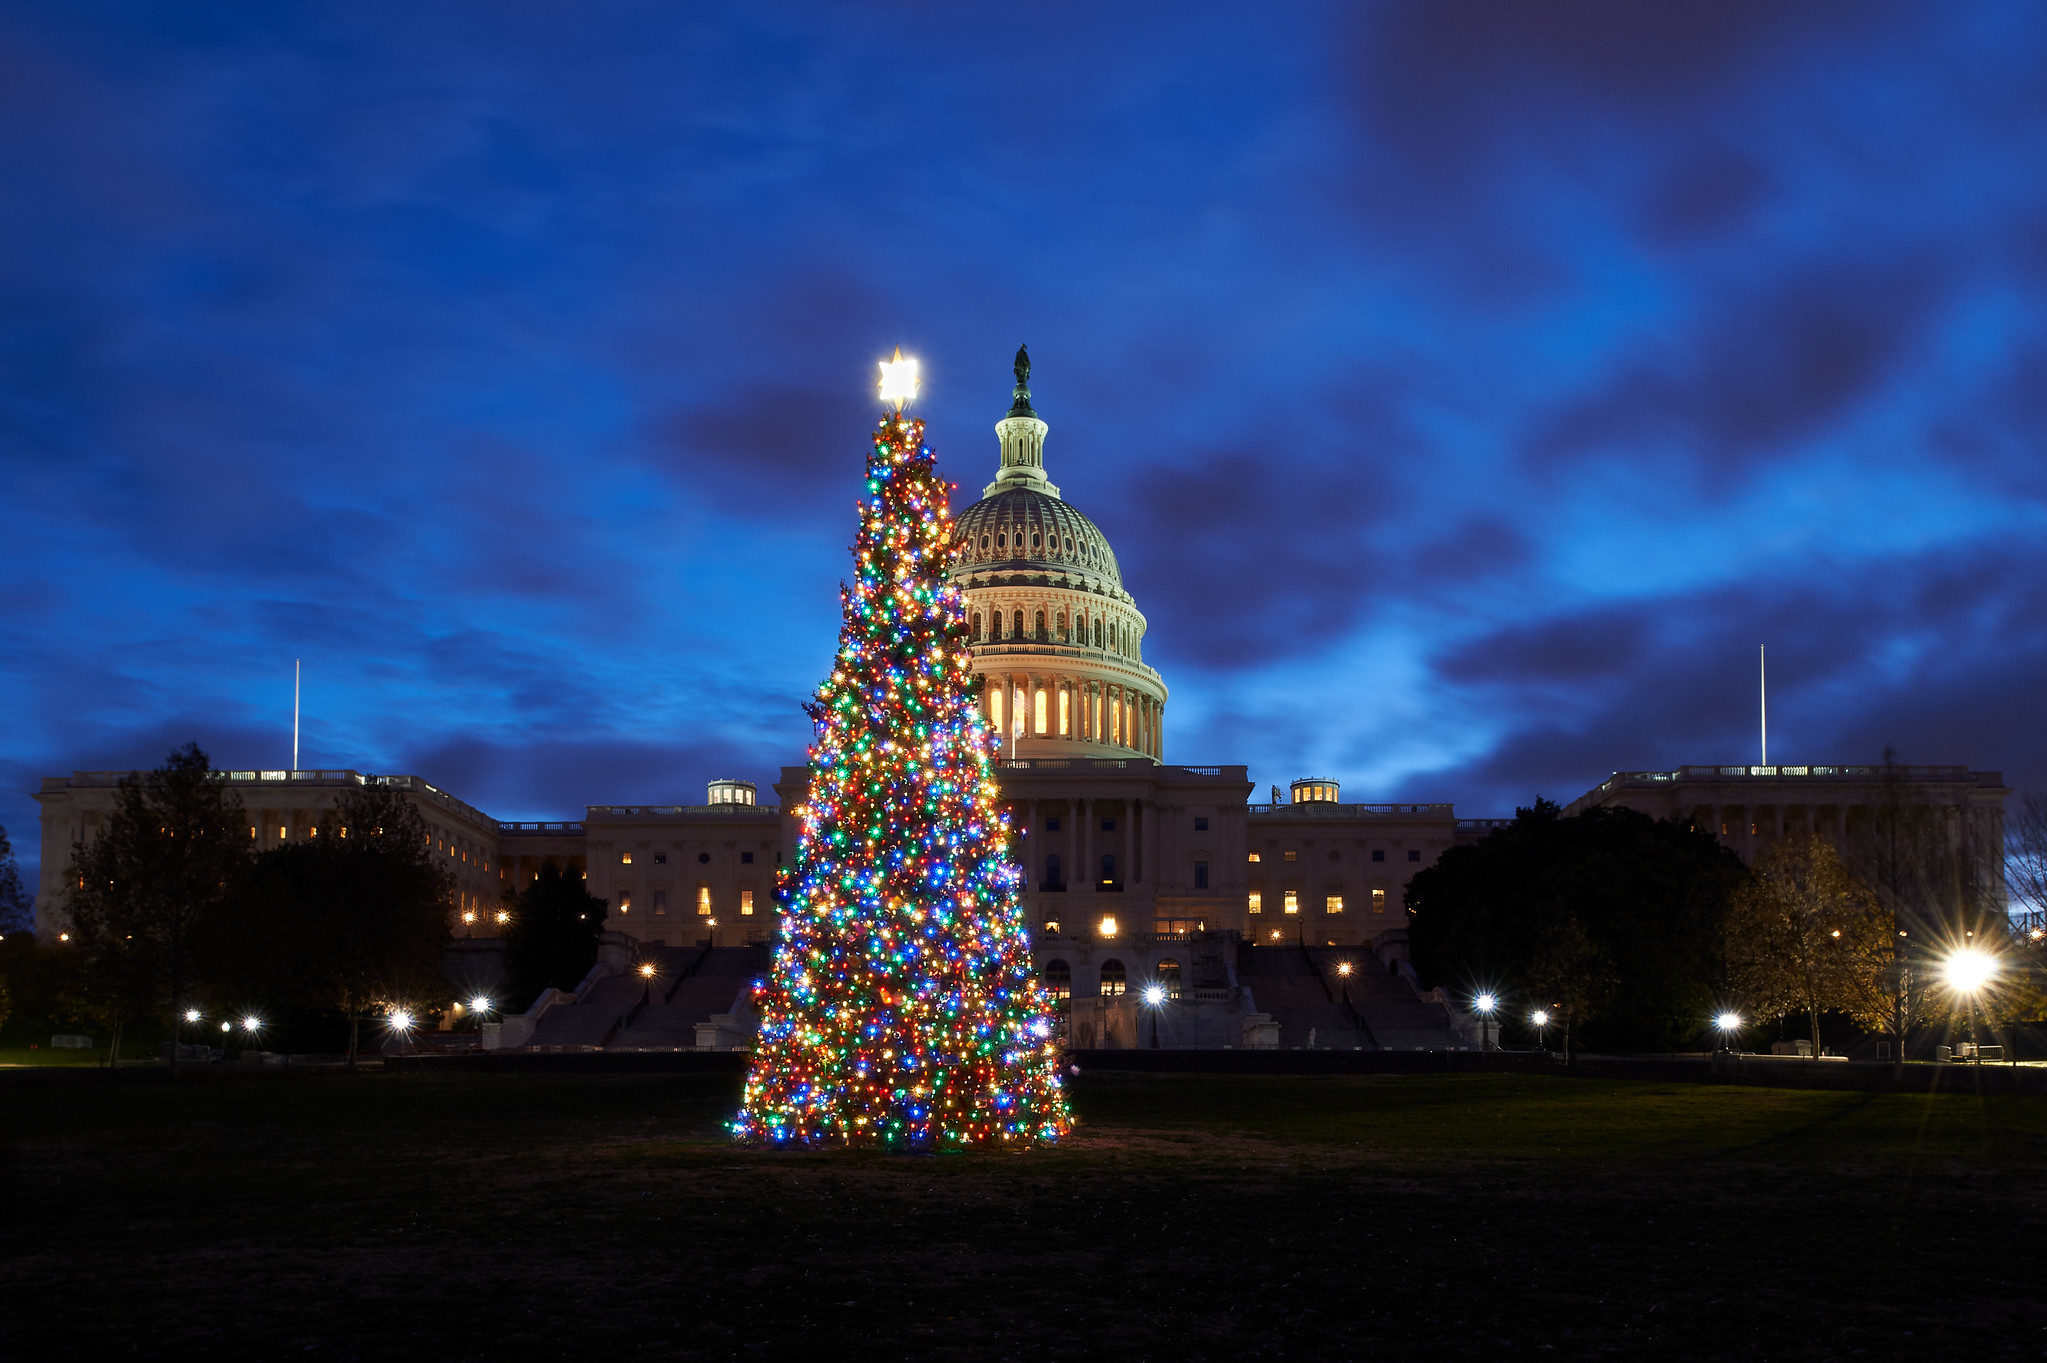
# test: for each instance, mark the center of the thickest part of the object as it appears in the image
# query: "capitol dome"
(1022, 529)
(1057, 640)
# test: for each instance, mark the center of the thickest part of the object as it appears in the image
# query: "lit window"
(1038, 711)
(1052, 926)
(995, 708)
(1254, 857)
(1257, 901)
(1114, 979)
(1332, 903)
(704, 900)
(625, 858)
(281, 831)
(1058, 974)
(1293, 901)
(1378, 901)
(1065, 713)
(625, 901)
(1290, 855)
(1107, 928)
(660, 903)
(1169, 976)
(746, 902)
(252, 830)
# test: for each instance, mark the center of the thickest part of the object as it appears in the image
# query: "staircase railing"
(687, 971)
(1357, 1020)
(1315, 967)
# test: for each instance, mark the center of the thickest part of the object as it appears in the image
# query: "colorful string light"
(902, 1009)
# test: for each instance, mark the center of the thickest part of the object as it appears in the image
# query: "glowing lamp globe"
(1485, 1003)
(401, 1020)
(1540, 1017)
(1154, 994)
(1728, 1022)
(1968, 970)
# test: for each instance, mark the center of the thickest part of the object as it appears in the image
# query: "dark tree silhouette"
(551, 942)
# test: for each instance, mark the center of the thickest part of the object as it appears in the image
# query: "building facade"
(1949, 821)
(286, 807)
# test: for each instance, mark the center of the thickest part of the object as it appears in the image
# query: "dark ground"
(396, 1216)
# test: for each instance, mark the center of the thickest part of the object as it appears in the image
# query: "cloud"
(1760, 372)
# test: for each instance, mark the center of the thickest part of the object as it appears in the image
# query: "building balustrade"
(730, 811)
(1320, 809)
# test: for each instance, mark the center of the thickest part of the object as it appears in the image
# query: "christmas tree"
(902, 1009)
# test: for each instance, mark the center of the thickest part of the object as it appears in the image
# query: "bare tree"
(1799, 930)
(2025, 861)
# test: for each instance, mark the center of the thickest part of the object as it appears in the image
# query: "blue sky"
(1467, 389)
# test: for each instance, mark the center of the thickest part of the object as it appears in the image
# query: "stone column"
(1148, 844)
(1126, 867)
(1034, 858)
(1083, 811)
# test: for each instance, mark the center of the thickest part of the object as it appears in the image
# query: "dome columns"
(1023, 457)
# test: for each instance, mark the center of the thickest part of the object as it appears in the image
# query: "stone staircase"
(1369, 1009)
(620, 1010)
(703, 983)
(1284, 983)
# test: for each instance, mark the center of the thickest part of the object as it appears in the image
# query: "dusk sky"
(1466, 389)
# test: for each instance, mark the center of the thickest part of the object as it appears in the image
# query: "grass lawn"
(449, 1217)
(44, 1057)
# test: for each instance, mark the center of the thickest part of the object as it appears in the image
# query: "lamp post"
(1155, 999)
(1484, 1005)
(190, 1015)
(399, 1020)
(1968, 972)
(647, 973)
(1540, 1017)
(1729, 1024)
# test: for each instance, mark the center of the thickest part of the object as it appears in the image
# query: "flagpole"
(1763, 687)
(294, 714)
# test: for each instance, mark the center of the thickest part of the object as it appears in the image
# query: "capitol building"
(1265, 923)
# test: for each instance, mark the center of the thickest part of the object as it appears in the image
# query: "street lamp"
(1729, 1024)
(1968, 971)
(647, 983)
(1540, 1017)
(1485, 1004)
(1155, 999)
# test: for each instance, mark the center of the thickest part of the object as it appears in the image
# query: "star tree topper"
(899, 380)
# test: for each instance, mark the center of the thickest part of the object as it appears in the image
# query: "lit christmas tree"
(902, 1009)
